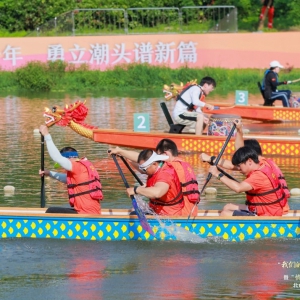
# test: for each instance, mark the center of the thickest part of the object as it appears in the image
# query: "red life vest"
(277, 190)
(167, 200)
(191, 106)
(95, 187)
(190, 184)
(280, 177)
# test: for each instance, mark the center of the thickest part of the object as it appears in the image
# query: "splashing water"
(167, 227)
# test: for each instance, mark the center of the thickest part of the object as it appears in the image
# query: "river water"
(59, 269)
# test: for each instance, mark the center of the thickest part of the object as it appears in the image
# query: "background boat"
(271, 145)
(257, 112)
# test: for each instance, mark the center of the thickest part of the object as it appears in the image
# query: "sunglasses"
(144, 169)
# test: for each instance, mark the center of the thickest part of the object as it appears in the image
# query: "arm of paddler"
(62, 177)
(224, 163)
(132, 156)
(198, 103)
(237, 187)
(271, 79)
(55, 154)
(239, 139)
(53, 151)
(153, 192)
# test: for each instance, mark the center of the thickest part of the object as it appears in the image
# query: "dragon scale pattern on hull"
(86, 132)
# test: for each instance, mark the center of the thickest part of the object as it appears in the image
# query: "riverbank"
(63, 77)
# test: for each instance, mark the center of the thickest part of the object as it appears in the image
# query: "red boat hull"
(256, 112)
(271, 145)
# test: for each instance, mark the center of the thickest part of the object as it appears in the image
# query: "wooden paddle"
(296, 80)
(42, 169)
(225, 107)
(139, 212)
(215, 164)
(218, 108)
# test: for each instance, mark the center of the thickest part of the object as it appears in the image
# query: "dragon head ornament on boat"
(72, 115)
(173, 90)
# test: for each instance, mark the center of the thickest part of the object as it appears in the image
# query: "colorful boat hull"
(271, 145)
(116, 225)
(256, 112)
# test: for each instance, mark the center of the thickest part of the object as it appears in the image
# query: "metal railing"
(153, 20)
(188, 19)
(208, 19)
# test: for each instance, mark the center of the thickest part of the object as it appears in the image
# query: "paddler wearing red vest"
(253, 144)
(185, 174)
(82, 179)
(187, 110)
(264, 193)
(163, 187)
(183, 169)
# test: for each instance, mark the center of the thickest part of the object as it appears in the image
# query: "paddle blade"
(142, 217)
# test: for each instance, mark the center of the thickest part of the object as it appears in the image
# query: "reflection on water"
(113, 270)
(80, 270)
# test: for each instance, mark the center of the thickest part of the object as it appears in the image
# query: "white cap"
(275, 63)
(154, 157)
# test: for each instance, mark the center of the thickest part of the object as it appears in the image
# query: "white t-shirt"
(192, 95)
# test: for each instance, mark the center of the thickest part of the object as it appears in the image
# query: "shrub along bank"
(60, 76)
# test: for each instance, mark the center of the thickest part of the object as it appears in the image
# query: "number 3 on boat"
(241, 97)
(141, 122)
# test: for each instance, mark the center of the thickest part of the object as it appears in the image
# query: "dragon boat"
(117, 224)
(250, 112)
(257, 112)
(74, 115)
(271, 145)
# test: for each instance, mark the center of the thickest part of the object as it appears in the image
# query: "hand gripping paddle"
(142, 218)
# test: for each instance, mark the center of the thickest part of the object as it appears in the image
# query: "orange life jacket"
(167, 199)
(191, 106)
(280, 177)
(277, 190)
(95, 187)
(189, 184)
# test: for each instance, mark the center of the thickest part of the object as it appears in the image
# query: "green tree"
(28, 15)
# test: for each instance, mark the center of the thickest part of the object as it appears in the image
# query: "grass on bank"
(61, 76)
(6, 33)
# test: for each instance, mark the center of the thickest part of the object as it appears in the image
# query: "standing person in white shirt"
(188, 111)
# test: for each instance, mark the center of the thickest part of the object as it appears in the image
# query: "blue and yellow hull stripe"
(126, 228)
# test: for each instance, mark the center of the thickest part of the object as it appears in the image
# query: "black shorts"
(243, 212)
(60, 210)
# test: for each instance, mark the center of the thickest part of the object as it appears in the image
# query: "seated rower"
(264, 193)
(183, 169)
(163, 187)
(185, 174)
(81, 179)
(270, 84)
(253, 144)
(187, 110)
